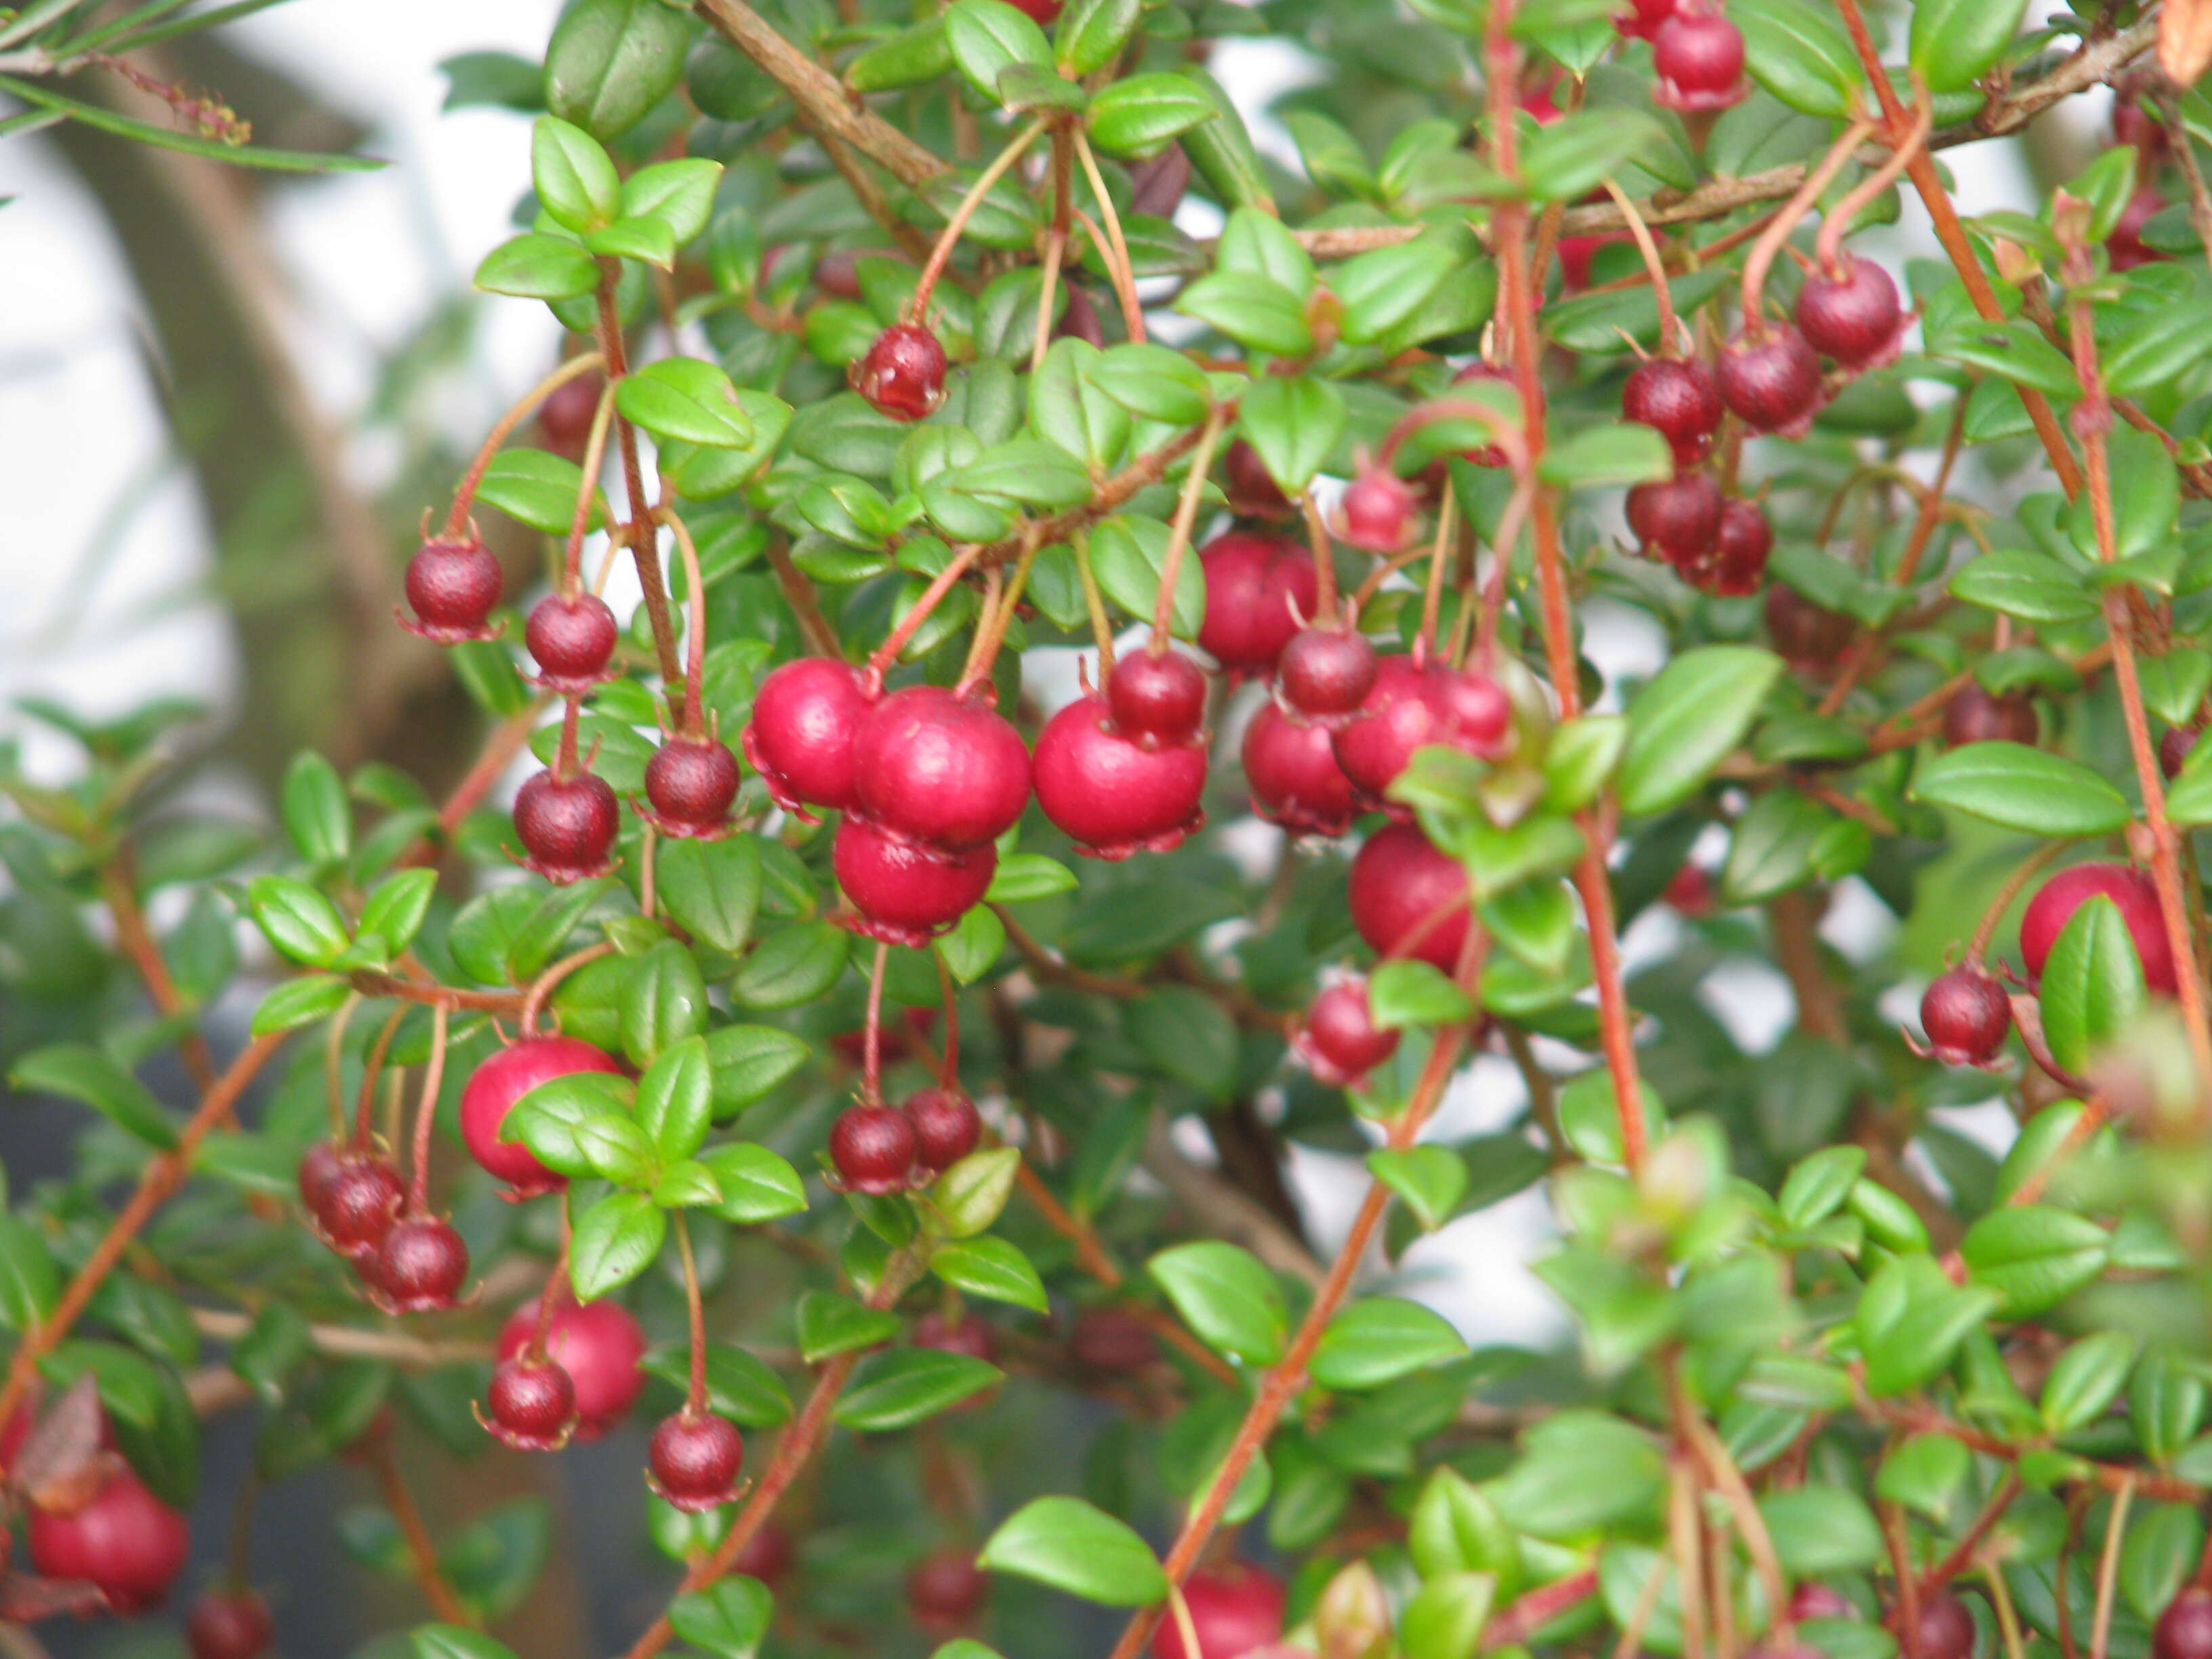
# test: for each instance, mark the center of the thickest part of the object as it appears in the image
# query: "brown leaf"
(2184, 40)
(60, 1468)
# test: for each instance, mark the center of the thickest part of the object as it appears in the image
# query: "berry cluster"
(877, 1149)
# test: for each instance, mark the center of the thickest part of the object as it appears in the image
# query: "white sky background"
(366, 256)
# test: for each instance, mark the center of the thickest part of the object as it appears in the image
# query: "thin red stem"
(871, 1036)
(457, 521)
(433, 1077)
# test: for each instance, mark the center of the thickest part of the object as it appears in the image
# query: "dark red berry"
(567, 825)
(1967, 1015)
(766, 1555)
(600, 1347)
(1112, 1340)
(1806, 633)
(1679, 519)
(1642, 21)
(126, 1541)
(874, 1148)
(1110, 795)
(1407, 899)
(1257, 589)
(531, 1405)
(806, 718)
(1157, 186)
(419, 1267)
(694, 1461)
(2174, 745)
(564, 419)
(903, 374)
(229, 1625)
(1377, 511)
(452, 585)
(1699, 60)
(1078, 318)
(689, 784)
(1946, 1629)
(947, 771)
(967, 1334)
(572, 640)
(946, 1128)
(1853, 315)
(1338, 1040)
(2132, 124)
(903, 893)
(836, 273)
(1252, 489)
(1489, 455)
(1234, 1608)
(1681, 399)
(1771, 379)
(1411, 705)
(1325, 671)
(2125, 246)
(1976, 716)
(494, 1087)
(358, 1206)
(1689, 891)
(944, 1591)
(1738, 562)
(319, 1164)
(1156, 699)
(2184, 1631)
(2132, 890)
(1293, 769)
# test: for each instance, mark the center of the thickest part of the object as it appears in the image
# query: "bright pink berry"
(806, 718)
(689, 784)
(1967, 1015)
(2131, 889)
(452, 585)
(1294, 776)
(1642, 21)
(1412, 705)
(358, 1205)
(494, 1087)
(903, 374)
(126, 1541)
(944, 1591)
(1112, 796)
(567, 825)
(1679, 519)
(1680, 397)
(598, 1345)
(693, 1460)
(572, 640)
(1811, 1599)
(1853, 315)
(2184, 1630)
(1234, 1608)
(419, 1267)
(1771, 379)
(1252, 489)
(1407, 899)
(1157, 699)
(1325, 671)
(229, 1625)
(1257, 588)
(946, 1128)
(1700, 59)
(874, 1148)
(530, 1404)
(1338, 1040)
(1738, 562)
(1978, 716)
(903, 893)
(1377, 511)
(947, 771)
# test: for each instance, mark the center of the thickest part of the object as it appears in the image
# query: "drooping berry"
(1738, 562)
(1811, 1599)
(600, 1347)
(1679, 519)
(1407, 899)
(807, 716)
(494, 1087)
(531, 1405)
(567, 826)
(1771, 379)
(1257, 588)
(902, 893)
(1852, 315)
(564, 419)
(2184, 1630)
(126, 1541)
(1378, 509)
(452, 585)
(318, 1166)
(1497, 374)
(766, 1555)
(689, 784)
(1338, 1040)
(903, 373)
(1109, 1338)
(572, 640)
(229, 1625)
(1413, 704)
(1234, 1608)
(1807, 635)
(419, 1267)
(947, 771)
(1681, 399)
(1159, 699)
(1112, 796)
(1293, 769)
(1252, 489)
(945, 1591)
(874, 1148)
(358, 1206)
(1945, 1628)
(693, 1460)
(946, 1128)
(1699, 60)
(1642, 20)
(1978, 716)
(2132, 890)
(2125, 246)
(1967, 1015)
(1324, 672)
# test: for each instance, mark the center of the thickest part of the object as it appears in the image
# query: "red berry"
(1112, 1340)
(1339, 1041)
(1813, 1600)
(2125, 246)
(1293, 769)
(1489, 455)
(836, 273)
(874, 1149)
(126, 1541)
(1644, 18)
(1579, 253)
(1407, 899)
(806, 717)
(229, 1625)
(1678, 519)
(690, 783)
(567, 826)
(419, 1267)
(1681, 399)
(1112, 796)
(452, 587)
(358, 1205)
(902, 893)
(494, 1087)
(2133, 890)
(1409, 706)
(1324, 672)
(1252, 583)
(1234, 1608)
(1807, 634)
(1156, 699)
(2174, 745)
(1700, 59)
(1967, 1015)
(1771, 379)
(944, 1591)
(1046, 12)
(320, 1165)
(903, 374)
(600, 1347)
(2184, 1631)
(564, 419)
(1378, 511)
(572, 640)
(529, 1406)
(1738, 561)
(766, 1555)
(946, 1128)
(948, 771)
(1853, 316)
(967, 1335)
(1975, 716)
(694, 1461)
(1689, 891)
(1078, 318)
(2132, 124)
(1946, 1629)
(1252, 489)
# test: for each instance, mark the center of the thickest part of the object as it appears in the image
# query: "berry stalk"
(917, 307)
(465, 495)
(1116, 247)
(643, 553)
(595, 444)
(1179, 528)
(1760, 260)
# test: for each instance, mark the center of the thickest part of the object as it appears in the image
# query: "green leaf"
(1955, 42)
(648, 241)
(1136, 115)
(29, 1280)
(1818, 1530)
(829, 1324)
(971, 1194)
(301, 1001)
(1431, 1180)
(453, 1642)
(738, 1385)
(574, 178)
(297, 920)
(680, 194)
(672, 1099)
(2086, 1379)
(1186, 1035)
(1293, 422)
(537, 488)
(1609, 453)
(1065, 1543)
(2022, 788)
(1091, 33)
(1818, 1186)
(84, 1074)
(610, 61)
(2091, 985)
(758, 1185)
(1800, 55)
(395, 911)
(2163, 1543)
(1924, 1472)
(2157, 346)
(899, 1387)
(1573, 156)
(664, 1002)
(685, 398)
(1022, 877)
(987, 36)
(1444, 1619)
(905, 59)
(1155, 382)
(1380, 289)
(2029, 586)
(1380, 1339)
(795, 964)
(729, 1619)
(1402, 994)
(616, 1241)
(1684, 722)
(317, 816)
(1255, 311)
(1225, 1295)
(1127, 555)
(2035, 1256)
(749, 1061)
(989, 1267)
(712, 888)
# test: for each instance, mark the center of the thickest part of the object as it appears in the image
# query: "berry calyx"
(1252, 490)
(573, 641)
(1293, 769)
(1378, 510)
(1324, 672)
(807, 716)
(1770, 377)
(2184, 1630)
(126, 1541)
(1407, 899)
(689, 784)
(1109, 1339)
(1257, 588)
(903, 375)
(1413, 704)
(1234, 1608)
(2132, 890)
(1157, 698)
(946, 1128)
(1737, 563)
(873, 1149)
(531, 1405)
(567, 826)
(357, 1206)
(693, 1460)
(419, 1267)
(1805, 634)
(452, 587)
(1852, 314)
(1699, 60)
(1680, 400)
(495, 1086)
(944, 1591)
(229, 1625)
(1978, 716)
(1338, 1040)
(1967, 1015)
(903, 893)
(945, 770)
(600, 1347)
(1110, 794)
(1679, 519)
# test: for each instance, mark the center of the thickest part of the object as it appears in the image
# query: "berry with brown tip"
(572, 640)
(567, 826)
(807, 717)
(1978, 716)
(946, 770)
(901, 892)
(944, 1591)
(1679, 519)
(1113, 796)
(1324, 672)
(689, 784)
(1699, 60)
(126, 1541)
(419, 1267)
(1680, 400)
(903, 375)
(1338, 1040)
(1967, 1015)
(1852, 315)
(1257, 588)
(452, 587)
(495, 1088)
(598, 1343)
(531, 1405)
(873, 1149)
(229, 1625)
(1293, 769)
(693, 1460)
(1770, 378)
(1407, 899)
(946, 1128)
(1157, 698)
